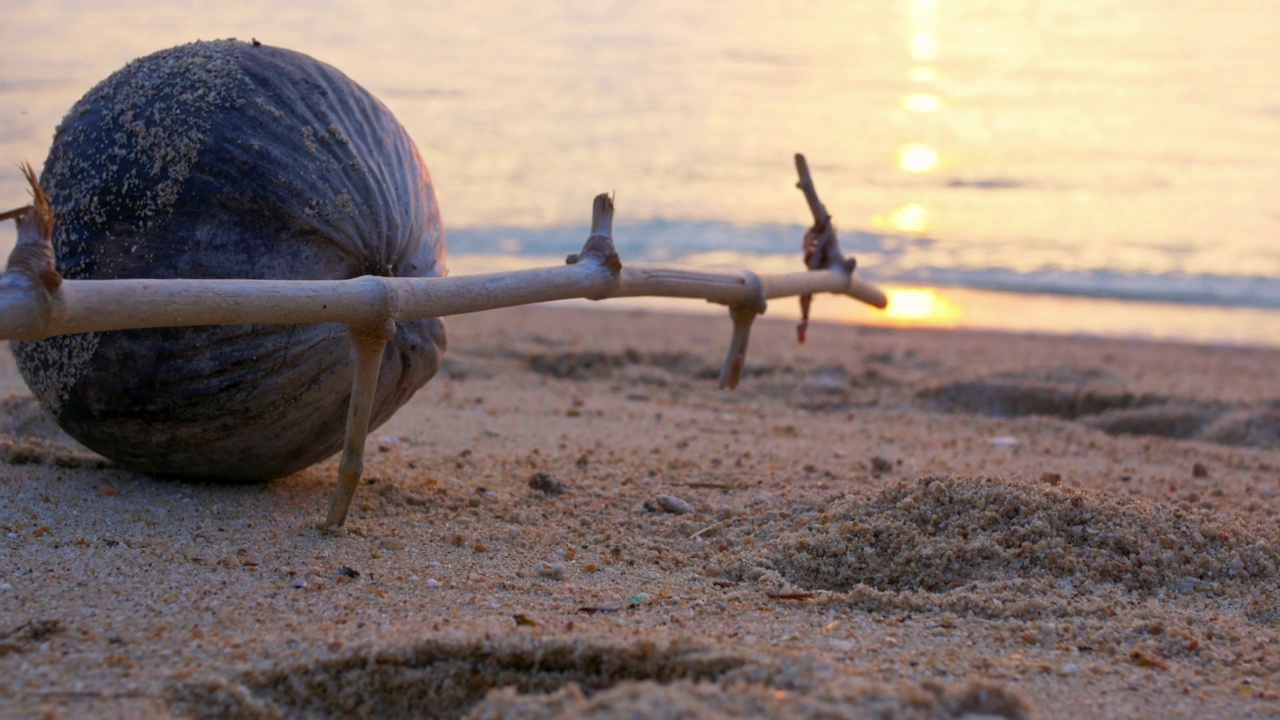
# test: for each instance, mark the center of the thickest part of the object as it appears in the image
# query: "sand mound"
(1250, 428)
(822, 388)
(683, 699)
(592, 365)
(531, 678)
(939, 534)
(1017, 395)
(1100, 402)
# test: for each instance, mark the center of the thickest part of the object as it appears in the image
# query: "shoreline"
(918, 522)
(973, 309)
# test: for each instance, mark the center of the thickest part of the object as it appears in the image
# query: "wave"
(884, 257)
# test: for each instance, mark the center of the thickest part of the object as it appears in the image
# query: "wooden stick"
(100, 305)
(821, 247)
(364, 385)
(29, 312)
(820, 214)
(15, 213)
(731, 371)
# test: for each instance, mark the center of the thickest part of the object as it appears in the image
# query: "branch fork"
(599, 245)
(36, 303)
(821, 248)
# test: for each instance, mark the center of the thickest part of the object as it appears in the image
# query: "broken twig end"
(39, 202)
(33, 254)
(600, 243)
(602, 215)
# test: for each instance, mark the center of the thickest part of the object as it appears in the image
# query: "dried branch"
(33, 313)
(820, 214)
(821, 248)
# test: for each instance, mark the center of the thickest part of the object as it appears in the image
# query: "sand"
(573, 521)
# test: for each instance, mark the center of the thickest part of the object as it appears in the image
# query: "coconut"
(228, 159)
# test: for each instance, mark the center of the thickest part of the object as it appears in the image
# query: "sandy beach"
(571, 520)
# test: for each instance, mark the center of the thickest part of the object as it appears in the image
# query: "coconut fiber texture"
(231, 160)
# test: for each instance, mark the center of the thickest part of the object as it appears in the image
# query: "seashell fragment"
(231, 160)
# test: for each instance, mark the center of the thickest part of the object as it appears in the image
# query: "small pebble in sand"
(546, 484)
(299, 583)
(347, 572)
(1051, 478)
(880, 465)
(672, 504)
(1004, 441)
(551, 571)
(1199, 470)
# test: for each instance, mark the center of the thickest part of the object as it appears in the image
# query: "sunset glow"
(911, 217)
(919, 306)
(924, 46)
(922, 74)
(921, 102)
(917, 158)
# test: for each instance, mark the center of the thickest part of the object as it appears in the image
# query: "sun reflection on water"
(918, 306)
(922, 74)
(922, 102)
(911, 217)
(924, 46)
(917, 158)
(924, 38)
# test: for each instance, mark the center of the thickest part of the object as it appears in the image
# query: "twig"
(706, 529)
(790, 595)
(369, 345)
(594, 609)
(805, 183)
(821, 248)
(99, 694)
(27, 313)
(36, 629)
(14, 213)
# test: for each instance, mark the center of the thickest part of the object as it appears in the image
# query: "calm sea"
(1083, 166)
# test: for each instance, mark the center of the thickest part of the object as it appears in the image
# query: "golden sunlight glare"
(922, 102)
(922, 74)
(924, 46)
(917, 158)
(912, 217)
(919, 306)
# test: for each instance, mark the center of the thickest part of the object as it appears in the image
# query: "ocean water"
(1077, 166)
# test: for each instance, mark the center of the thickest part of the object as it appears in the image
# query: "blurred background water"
(1081, 166)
